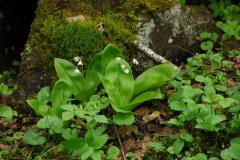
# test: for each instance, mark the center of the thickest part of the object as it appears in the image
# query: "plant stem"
(120, 143)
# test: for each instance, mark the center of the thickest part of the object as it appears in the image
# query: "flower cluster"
(78, 60)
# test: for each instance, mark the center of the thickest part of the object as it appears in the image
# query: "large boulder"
(174, 34)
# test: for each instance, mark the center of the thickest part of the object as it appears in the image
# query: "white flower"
(118, 58)
(80, 63)
(77, 59)
(126, 71)
(123, 66)
(76, 71)
(135, 61)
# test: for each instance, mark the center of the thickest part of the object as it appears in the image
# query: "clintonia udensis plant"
(125, 93)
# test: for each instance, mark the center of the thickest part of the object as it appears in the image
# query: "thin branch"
(120, 143)
(151, 54)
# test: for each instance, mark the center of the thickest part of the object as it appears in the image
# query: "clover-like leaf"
(113, 152)
(207, 45)
(6, 112)
(186, 136)
(32, 138)
(124, 119)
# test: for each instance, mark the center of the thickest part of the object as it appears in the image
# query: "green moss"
(77, 38)
(142, 7)
(118, 30)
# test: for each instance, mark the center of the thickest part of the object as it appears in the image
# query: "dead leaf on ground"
(166, 131)
(6, 147)
(154, 115)
(138, 155)
(128, 130)
(143, 111)
(129, 145)
(170, 92)
(144, 143)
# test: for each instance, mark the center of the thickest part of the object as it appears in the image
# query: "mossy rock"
(53, 36)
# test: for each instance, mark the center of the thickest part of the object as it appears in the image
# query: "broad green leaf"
(124, 119)
(80, 150)
(89, 136)
(226, 102)
(146, 96)
(40, 108)
(93, 69)
(170, 150)
(178, 146)
(97, 155)
(153, 78)
(67, 115)
(213, 158)
(7, 113)
(109, 53)
(177, 105)
(69, 133)
(101, 119)
(208, 45)
(113, 94)
(186, 136)
(65, 70)
(87, 153)
(54, 123)
(32, 138)
(176, 122)
(4, 90)
(213, 36)
(44, 95)
(113, 152)
(226, 154)
(17, 135)
(69, 107)
(204, 35)
(99, 131)
(215, 119)
(235, 140)
(235, 151)
(99, 141)
(119, 73)
(73, 144)
(210, 122)
(61, 93)
(201, 156)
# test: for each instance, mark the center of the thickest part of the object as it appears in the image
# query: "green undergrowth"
(96, 111)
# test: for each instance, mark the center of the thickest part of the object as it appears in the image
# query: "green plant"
(157, 146)
(7, 113)
(179, 143)
(32, 138)
(229, 13)
(125, 94)
(84, 87)
(5, 90)
(233, 152)
(202, 99)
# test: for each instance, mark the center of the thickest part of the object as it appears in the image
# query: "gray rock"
(174, 34)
